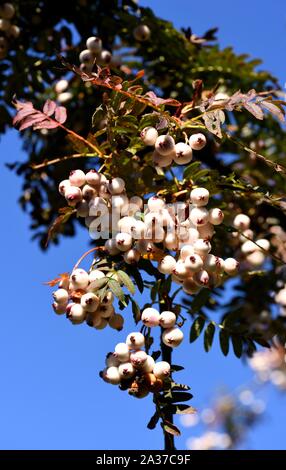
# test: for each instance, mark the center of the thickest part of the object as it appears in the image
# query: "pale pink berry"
(93, 319)
(202, 247)
(88, 192)
(94, 44)
(89, 302)
(184, 153)
(79, 279)
(116, 186)
(167, 319)
(167, 265)
(108, 298)
(155, 204)
(249, 247)
(121, 352)
(104, 57)
(193, 263)
(263, 244)
(162, 370)
(59, 309)
(241, 221)
(76, 314)
(165, 144)
(63, 186)
(73, 195)
(77, 178)
(199, 216)
(162, 160)
(231, 266)
(93, 178)
(202, 278)
(180, 270)
(86, 57)
(111, 361)
(138, 358)
(126, 370)
(7, 11)
(61, 296)
(135, 341)
(216, 216)
(150, 317)
(96, 274)
(148, 365)
(197, 141)
(172, 337)
(186, 250)
(131, 256)
(200, 196)
(149, 135)
(111, 375)
(123, 241)
(280, 297)
(171, 241)
(256, 258)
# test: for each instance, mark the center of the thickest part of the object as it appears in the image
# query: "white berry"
(150, 317)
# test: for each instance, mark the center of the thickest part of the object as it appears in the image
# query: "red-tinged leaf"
(22, 114)
(254, 109)
(29, 121)
(65, 213)
(49, 107)
(157, 101)
(46, 124)
(273, 109)
(61, 114)
(54, 282)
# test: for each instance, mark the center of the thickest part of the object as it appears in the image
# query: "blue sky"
(51, 396)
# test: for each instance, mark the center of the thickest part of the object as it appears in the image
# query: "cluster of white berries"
(167, 151)
(185, 228)
(252, 253)
(61, 87)
(77, 298)
(94, 52)
(196, 266)
(7, 29)
(133, 369)
(172, 335)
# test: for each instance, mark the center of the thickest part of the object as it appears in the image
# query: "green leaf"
(116, 289)
(224, 341)
(125, 279)
(237, 345)
(209, 336)
(197, 328)
(176, 368)
(190, 169)
(135, 310)
(176, 386)
(174, 397)
(170, 428)
(137, 277)
(153, 421)
(98, 283)
(181, 409)
(200, 300)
